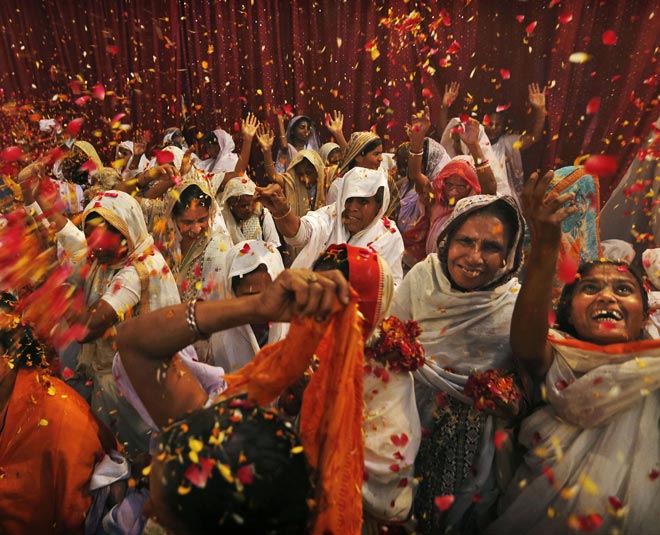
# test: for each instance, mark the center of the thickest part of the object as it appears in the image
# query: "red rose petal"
(427, 93)
(593, 105)
(505, 74)
(530, 28)
(499, 438)
(564, 18)
(615, 503)
(74, 126)
(503, 107)
(399, 440)
(98, 92)
(549, 474)
(653, 474)
(117, 118)
(394, 468)
(567, 269)
(444, 502)
(67, 373)
(11, 154)
(164, 156)
(88, 166)
(601, 165)
(81, 101)
(245, 474)
(113, 50)
(520, 18)
(609, 38)
(464, 117)
(454, 48)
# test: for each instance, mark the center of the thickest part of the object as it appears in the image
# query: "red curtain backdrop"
(376, 61)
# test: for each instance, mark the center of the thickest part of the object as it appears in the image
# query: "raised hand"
(535, 96)
(419, 125)
(335, 123)
(249, 126)
(451, 94)
(273, 198)
(545, 213)
(469, 134)
(265, 136)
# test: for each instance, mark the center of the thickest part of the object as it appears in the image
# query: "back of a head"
(257, 477)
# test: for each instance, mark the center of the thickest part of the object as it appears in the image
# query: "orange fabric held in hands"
(331, 415)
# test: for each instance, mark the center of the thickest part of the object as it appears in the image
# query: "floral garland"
(397, 345)
(491, 388)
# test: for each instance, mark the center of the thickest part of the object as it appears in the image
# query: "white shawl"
(599, 439)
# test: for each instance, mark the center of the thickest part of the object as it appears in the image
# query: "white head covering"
(325, 151)
(226, 159)
(446, 141)
(234, 348)
(359, 182)
(618, 250)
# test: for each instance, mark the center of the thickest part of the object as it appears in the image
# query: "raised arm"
(284, 142)
(529, 324)
(335, 126)
(416, 133)
(537, 102)
(266, 138)
(147, 343)
(272, 197)
(248, 131)
(470, 136)
(448, 98)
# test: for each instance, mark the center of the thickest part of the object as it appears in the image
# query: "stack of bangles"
(191, 319)
(481, 165)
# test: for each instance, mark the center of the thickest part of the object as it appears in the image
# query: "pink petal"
(113, 50)
(11, 154)
(593, 105)
(530, 28)
(74, 126)
(601, 165)
(566, 17)
(609, 38)
(98, 92)
(444, 502)
(164, 156)
(505, 74)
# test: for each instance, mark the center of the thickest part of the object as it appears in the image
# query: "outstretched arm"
(147, 343)
(248, 131)
(470, 136)
(448, 98)
(335, 125)
(272, 197)
(537, 102)
(416, 133)
(529, 324)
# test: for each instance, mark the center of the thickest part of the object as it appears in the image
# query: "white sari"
(595, 448)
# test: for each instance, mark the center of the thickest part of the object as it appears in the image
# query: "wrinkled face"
(496, 127)
(193, 221)
(301, 131)
(334, 156)
(359, 212)
(306, 172)
(241, 207)
(607, 306)
(105, 243)
(370, 160)
(455, 188)
(477, 251)
(253, 283)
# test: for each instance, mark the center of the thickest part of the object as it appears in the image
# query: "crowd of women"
(349, 347)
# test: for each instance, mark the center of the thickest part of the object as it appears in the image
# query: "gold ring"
(312, 279)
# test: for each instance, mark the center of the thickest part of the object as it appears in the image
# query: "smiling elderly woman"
(355, 218)
(462, 297)
(601, 376)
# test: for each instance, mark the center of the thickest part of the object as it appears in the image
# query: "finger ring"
(312, 279)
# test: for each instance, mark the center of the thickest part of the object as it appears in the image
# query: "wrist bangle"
(411, 153)
(191, 308)
(283, 215)
(482, 164)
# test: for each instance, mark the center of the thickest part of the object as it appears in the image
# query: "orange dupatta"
(331, 415)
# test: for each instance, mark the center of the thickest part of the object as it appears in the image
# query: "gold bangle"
(283, 215)
(411, 153)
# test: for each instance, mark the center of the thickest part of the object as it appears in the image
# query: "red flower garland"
(397, 345)
(489, 387)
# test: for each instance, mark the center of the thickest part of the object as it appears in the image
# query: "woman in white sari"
(593, 450)
(355, 218)
(462, 297)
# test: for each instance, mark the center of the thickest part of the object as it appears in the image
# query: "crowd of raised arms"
(427, 340)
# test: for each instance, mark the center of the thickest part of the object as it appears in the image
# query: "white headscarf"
(325, 151)
(225, 161)
(234, 348)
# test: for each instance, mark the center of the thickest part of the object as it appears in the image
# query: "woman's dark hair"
(301, 119)
(191, 195)
(259, 480)
(380, 194)
(70, 168)
(18, 341)
(336, 258)
(563, 311)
